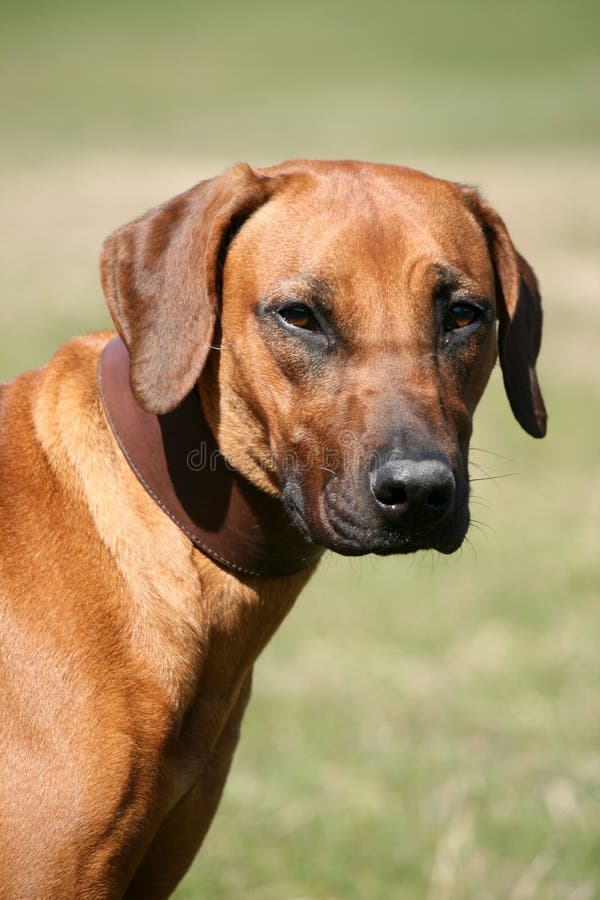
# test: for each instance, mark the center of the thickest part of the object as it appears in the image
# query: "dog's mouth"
(350, 530)
(356, 542)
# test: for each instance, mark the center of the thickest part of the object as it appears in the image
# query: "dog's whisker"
(492, 453)
(469, 543)
(483, 527)
(478, 467)
(494, 477)
(479, 501)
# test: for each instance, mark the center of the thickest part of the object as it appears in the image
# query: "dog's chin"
(348, 539)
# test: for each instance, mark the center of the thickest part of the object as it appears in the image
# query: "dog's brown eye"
(460, 315)
(300, 316)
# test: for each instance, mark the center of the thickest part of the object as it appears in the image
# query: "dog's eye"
(460, 315)
(299, 316)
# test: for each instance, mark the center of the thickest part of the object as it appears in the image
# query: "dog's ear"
(161, 276)
(519, 317)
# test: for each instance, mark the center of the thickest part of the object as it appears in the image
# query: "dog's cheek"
(480, 372)
(466, 366)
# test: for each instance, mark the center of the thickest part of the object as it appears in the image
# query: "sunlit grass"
(268, 80)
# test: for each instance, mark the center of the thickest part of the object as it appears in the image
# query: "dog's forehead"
(361, 228)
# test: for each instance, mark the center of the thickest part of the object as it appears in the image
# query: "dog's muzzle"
(398, 505)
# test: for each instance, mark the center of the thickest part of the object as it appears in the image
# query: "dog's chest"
(200, 759)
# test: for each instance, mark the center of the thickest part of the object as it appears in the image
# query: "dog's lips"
(392, 544)
(297, 518)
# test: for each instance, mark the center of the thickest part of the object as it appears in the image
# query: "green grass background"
(421, 728)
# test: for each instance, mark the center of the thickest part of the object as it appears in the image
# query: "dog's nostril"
(392, 494)
(414, 491)
(438, 499)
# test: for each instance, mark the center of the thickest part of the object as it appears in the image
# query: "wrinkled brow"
(451, 280)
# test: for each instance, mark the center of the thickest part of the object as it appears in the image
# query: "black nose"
(419, 490)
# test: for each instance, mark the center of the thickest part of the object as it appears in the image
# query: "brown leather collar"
(176, 459)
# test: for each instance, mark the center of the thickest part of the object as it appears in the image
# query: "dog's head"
(340, 319)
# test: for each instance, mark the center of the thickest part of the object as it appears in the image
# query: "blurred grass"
(324, 78)
(421, 728)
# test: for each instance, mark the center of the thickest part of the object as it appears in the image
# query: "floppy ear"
(519, 317)
(161, 277)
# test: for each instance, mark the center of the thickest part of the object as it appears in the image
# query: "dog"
(299, 353)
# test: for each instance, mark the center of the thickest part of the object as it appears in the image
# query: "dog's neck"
(176, 459)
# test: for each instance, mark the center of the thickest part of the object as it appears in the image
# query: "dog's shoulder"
(71, 367)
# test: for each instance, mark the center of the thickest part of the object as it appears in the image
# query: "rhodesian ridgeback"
(300, 352)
